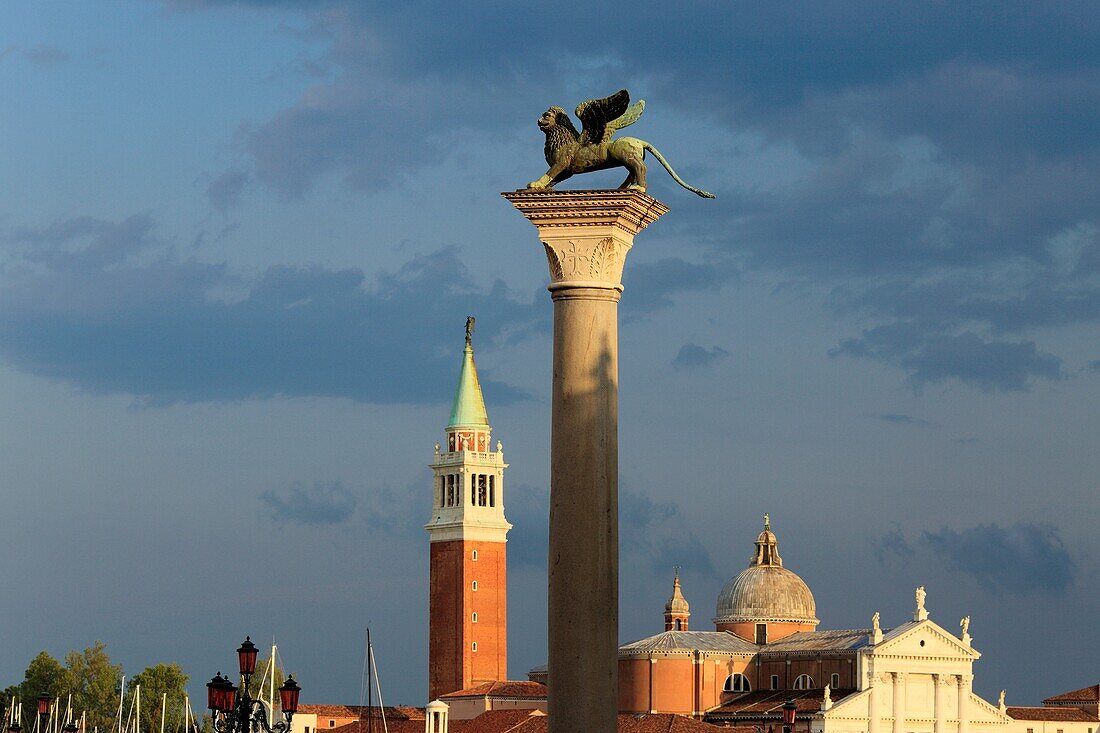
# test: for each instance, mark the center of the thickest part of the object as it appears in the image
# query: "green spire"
(469, 405)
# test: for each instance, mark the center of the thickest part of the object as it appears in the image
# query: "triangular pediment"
(924, 639)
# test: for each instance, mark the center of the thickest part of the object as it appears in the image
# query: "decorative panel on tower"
(467, 605)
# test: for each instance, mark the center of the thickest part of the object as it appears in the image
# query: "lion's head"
(557, 119)
(553, 117)
(560, 133)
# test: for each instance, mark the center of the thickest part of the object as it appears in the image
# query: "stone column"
(964, 702)
(586, 236)
(899, 702)
(938, 683)
(873, 704)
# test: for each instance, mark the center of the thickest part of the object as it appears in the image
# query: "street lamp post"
(45, 705)
(240, 713)
(789, 709)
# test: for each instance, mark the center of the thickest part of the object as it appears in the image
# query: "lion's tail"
(661, 158)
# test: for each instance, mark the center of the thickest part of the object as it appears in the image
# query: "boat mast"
(370, 698)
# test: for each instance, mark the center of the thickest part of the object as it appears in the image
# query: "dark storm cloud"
(224, 192)
(945, 150)
(325, 502)
(1022, 558)
(656, 536)
(932, 357)
(105, 306)
(653, 536)
(895, 418)
(44, 56)
(691, 356)
(652, 284)
(892, 546)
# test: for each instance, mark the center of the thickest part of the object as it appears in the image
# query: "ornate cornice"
(629, 211)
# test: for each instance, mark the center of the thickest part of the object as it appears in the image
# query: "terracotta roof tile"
(769, 703)
(525, 721)
(722, 641)
(398, 726)
(501, 721)
(1064, 714)
(503, 688)
(664, 723)
(1085, 694)
(356, 711)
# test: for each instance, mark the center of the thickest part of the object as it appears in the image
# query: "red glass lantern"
(230, 695)
(247, 656)
(213, 692)
(288, 696)
(45, 700)
(216, 693)
(789, 709)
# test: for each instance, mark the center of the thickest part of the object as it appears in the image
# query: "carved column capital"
(587, 234)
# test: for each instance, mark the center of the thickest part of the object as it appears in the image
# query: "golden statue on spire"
(469, 329)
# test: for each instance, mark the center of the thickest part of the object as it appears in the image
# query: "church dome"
(766, 591)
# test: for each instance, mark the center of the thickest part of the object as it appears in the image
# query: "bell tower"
(467, 605)
(677, 610)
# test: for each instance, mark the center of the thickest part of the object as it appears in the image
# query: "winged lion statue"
(569, 152)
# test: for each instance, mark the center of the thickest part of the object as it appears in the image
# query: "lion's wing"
(625, 119)
(597, 114)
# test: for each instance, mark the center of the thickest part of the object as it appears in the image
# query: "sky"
(239, 242)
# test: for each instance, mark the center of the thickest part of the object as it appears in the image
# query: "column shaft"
(941, 714)
(899, 702)
(964, 700)
(584, 513)
(872, 706)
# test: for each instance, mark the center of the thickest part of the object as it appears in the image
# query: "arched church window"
(804, 682)
(679, 625)
(737, 682)
(834, 680)
(492, 491)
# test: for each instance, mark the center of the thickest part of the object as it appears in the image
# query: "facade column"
(899, 702)
(873, 705)
(586, 236)
(964, 702)
(938, 683)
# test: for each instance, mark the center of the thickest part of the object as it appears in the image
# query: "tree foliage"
(95, 684)
(163, 687)
(44, 674)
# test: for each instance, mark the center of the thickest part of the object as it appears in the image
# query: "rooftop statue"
(568, 152)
